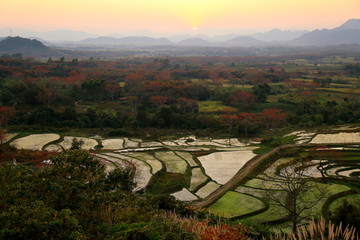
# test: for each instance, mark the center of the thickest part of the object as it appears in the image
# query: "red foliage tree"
(47, 96)
(243, 99)
(133, 103)
(5, 115)
(213, 75)
(230, 121)
(113, 90)
(2, 137)
(237, 77)
(187, 105)
(246, 119)
(135, 80)
(272, 117)
(218, 82)
(156, 86)
(75, 78)
(158, 100)
(164, 75)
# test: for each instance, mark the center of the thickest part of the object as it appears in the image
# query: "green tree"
(237, 77)
(77, 165)
(35, 220)
(74, 62)
(76, 144)
(347, 214)
(261, 92)
(73, 198)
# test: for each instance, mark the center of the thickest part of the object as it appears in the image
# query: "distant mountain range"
(194, 42)
(329, 37)
(142, 41)
(347, 33)
(353, 24)
(242, 41)
(278, 35)
(150, 38)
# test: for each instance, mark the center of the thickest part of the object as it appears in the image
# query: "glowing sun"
(195, 28)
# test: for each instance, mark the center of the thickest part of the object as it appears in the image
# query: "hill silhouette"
(14, 43)
(347, 33)
(350, 24)
(243, 41)
(26, 47)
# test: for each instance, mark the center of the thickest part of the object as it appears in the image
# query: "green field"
(234, 204)
(272, 214)
(214, 106)
(231, 204)
(352, 199)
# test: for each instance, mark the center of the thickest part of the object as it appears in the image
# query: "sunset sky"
(170, 16)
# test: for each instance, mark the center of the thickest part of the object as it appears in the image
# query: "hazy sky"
(170, 16)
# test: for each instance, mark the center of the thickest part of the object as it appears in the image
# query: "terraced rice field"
(148, 158)
(234, 204)
(274, 213)
(142, 170)
(184, 195)
(152, 161)
(222, 166)
(206, 190)
(204, 175)
(113, 144)
(53, 148)
(342, 137)
(34, 141)
(173, 162)
(128, 143)
(197, 178)
(187, 157)
(87, 142)
(352, 199)
(9, 136)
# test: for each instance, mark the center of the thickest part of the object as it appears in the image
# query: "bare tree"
(230, 121)
(301, 192)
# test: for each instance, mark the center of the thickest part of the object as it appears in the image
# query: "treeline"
(164, 117)
(166, 93)
(308, 111)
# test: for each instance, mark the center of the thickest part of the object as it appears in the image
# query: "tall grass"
(319, 230)
(218, 230)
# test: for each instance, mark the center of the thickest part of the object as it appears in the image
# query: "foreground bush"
(205, 230)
